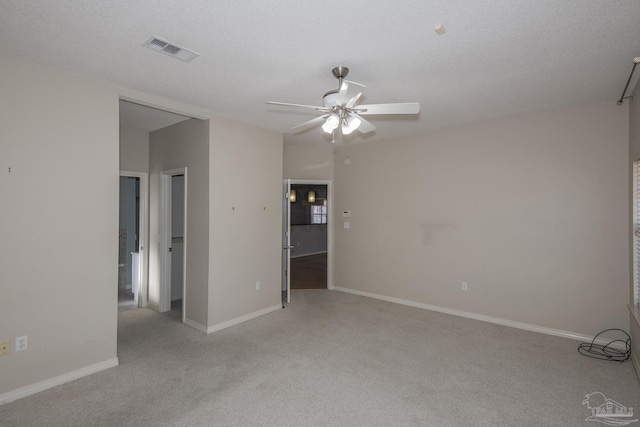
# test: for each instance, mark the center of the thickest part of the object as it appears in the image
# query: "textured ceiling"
(497, 58)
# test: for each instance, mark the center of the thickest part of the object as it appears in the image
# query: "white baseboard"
(636, 363)
(481, 317)
(244, 318)
(635, 317)
(195, 325)
(56, 381)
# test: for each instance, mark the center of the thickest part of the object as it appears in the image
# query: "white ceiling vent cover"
(170, 49)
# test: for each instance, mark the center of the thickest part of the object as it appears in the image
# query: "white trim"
(28, 390)
(285, 272)
(185, 240)
(635, 312)
(635, 317)
(481, 317)
(165, 240)
(163, 104)
(195, 325)
(244, 318)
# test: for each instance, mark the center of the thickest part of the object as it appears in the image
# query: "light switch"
(345, 225)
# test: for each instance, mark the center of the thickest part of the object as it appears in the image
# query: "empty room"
(331, 213)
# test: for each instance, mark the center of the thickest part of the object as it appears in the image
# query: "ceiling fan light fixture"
(341, 108)
(350, 125)
(331, 123)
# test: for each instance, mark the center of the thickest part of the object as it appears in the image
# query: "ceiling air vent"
(170, 49)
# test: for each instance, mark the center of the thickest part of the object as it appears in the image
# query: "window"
(319, 213)
(636, 233)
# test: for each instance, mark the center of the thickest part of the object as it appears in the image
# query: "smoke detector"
(170, 49)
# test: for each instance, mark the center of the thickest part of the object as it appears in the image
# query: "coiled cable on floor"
(607, 352)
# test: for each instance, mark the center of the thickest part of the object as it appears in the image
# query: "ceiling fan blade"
(365, 126)
(286, 104)
(397, 108)
(309, 123)
(353, 101)
(349, 93)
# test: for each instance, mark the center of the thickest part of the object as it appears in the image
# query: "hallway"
(309, 272)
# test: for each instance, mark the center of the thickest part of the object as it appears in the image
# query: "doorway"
(177, 240)
(173, 239)
(307, 244)
(131, 237)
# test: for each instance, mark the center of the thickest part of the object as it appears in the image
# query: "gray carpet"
(332, 359)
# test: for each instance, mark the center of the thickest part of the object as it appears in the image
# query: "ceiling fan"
(340, 108)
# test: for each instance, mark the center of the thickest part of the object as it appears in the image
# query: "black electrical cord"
(607, 352)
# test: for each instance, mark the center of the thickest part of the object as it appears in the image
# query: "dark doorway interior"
(309, 272)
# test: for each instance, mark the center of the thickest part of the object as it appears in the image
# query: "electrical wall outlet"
(258, 286)
(464, 286)
(21, 343)
(5, 347)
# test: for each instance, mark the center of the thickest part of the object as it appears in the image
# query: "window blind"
(636, 233)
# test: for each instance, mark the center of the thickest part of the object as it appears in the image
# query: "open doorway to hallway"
(129, 243)
(137, 122)
(177, 249)
(173, 240)
(309, 236)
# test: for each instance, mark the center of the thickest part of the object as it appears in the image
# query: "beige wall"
(245, 221)
(134, 149)
(532, 212)
(308, 162)
(185, 144)
(59, 190)
(59, 223)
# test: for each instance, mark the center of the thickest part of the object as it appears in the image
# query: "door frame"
(165, 239)
(143, 231)
(330, 221)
